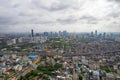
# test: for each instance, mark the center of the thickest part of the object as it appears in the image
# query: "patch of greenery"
(57, 66)
(80, 78)
(49, 69)
(79, 65)
(26, 45)
(40, 69)
(3, 45)
(23, 78)
(47, 78)
(105, 68)
(58, 43)
(1, 76)
(32, 73)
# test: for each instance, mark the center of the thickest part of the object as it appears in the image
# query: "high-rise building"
(46, 33)
(96, 33)
(104, 35)
(32, 33)
(65, 33)
(92, 34)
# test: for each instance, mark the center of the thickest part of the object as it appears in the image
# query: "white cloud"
(51, 15)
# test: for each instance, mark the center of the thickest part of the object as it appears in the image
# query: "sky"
(56, 15)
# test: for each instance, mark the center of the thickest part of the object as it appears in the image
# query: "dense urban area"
(60, 56)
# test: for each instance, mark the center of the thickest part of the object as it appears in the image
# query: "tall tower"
(32, 33)
(96, 33)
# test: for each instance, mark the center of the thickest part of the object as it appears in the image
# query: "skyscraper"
(92, 34)
(96, 33)
(32, 33)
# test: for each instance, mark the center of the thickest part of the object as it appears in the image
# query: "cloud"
(87, 18)
(114, 15)
(114, 0)
(59, 14)
(68, 20)
(113, 27)
(5, 20)
(50, 5)
(117, 0)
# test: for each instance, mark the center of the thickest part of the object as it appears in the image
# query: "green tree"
(80, 78)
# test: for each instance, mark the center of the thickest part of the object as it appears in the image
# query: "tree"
(80, 78)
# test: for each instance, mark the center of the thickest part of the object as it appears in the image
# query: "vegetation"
(3, 45)
(79, 65)
(86, 40)
(32, 73)
(26, 45)
(47, 78)
(57, 66)
(23, 78)
(80, 78)
(17, 47)
(105, 68)
(49, 69)
(58, 43)
(40, 71)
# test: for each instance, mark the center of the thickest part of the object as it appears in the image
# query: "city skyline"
(57, 15)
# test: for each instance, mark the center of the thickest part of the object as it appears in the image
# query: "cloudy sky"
(55, 15)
